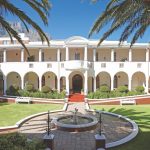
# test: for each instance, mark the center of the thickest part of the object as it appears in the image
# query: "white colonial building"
(75, 63)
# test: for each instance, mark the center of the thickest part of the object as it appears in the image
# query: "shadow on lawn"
(141, 118)
(3, 104)
(141, 142)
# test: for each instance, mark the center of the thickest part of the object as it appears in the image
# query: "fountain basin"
(85, 123)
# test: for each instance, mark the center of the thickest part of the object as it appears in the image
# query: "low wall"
(34, 100)
(140, 100)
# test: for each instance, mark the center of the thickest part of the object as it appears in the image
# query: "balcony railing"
(74, 65)
(77, 64)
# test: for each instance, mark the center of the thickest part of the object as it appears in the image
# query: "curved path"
(36, 128)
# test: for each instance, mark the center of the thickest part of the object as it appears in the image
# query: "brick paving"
(113, 128)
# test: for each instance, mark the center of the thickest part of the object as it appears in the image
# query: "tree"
(131, 15)
(41, 7)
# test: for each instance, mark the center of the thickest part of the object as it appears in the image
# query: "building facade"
(75, 64)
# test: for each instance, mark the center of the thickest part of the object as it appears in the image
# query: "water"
(78, 121)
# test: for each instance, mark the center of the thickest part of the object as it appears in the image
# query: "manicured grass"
(141, 115)
(11, 113)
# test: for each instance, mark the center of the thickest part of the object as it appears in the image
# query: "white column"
(94, 84)
(5, 84)
(40, 84)
(22, 55)
(58, 77)
(147, 54)
(147, 82)
(4, 56)
(85, 53)
(112, 83)
(94, 54)
(67, 85)
(22, 83)
(130, 83)
(67, 53)
(130, 55)
(58, 84)
(86, 83)
(112, 54)
(40, 55)
(58, 54)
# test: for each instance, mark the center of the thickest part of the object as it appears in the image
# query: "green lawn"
(11, 113)
(141, 115)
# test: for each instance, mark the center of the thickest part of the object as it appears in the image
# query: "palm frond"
(126, 14)
(41, 7)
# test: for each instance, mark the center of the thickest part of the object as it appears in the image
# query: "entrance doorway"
(1, 84)
(77, 83)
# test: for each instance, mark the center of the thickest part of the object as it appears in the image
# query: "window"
(5, 42)
(139, 65)
(60, 57)
(115, 56)
(121, 65)
(42, 56)
(1, 57)
(103, 65)
(31, 66)
(49, 65)
(77, 56)
(96, 56)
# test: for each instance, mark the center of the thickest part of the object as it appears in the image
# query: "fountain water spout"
(75, 119)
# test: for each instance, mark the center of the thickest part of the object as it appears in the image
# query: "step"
(76, 98)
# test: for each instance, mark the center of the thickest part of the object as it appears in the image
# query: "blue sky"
(73, 17)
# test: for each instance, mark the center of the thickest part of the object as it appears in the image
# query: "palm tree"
(41, 7)
(133, 16)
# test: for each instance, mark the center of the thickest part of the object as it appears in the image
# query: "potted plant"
(31, 58)
(82, 91)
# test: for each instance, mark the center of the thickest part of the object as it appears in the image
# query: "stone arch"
(103, 78)
(76, 82)
(138, 79)
(49, 79)
(32, 78)
(13, 78)
(62, 83)
(121, 79)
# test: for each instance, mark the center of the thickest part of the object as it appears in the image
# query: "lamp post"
(100, 122)
(49, 137)
(48, 124)
(100, 139)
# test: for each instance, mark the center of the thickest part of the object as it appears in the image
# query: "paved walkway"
(80, 106)
(113, 127)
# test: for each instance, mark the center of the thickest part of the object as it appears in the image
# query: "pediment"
(76, 40)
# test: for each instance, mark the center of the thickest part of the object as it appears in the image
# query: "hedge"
(119, 92)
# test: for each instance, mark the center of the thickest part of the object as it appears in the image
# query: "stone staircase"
(76, 97)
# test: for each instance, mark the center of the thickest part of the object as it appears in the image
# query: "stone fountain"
(75, 122)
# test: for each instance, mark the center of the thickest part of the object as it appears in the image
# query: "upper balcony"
(77, 65)
(23, 67)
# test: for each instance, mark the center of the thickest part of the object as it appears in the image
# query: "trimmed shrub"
(115, 93)
(12, 90)
(140, 89)
(132, 93)
(45, 89)
(104, 89)
(24, 93)
(18, 141)
(29, 87)
(122, 89)
(39, 94)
